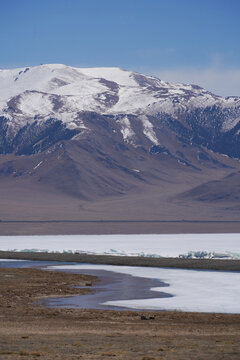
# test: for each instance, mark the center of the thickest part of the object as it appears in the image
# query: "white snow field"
(15, 260)
(35, 90)
(175, 245)
(192, 290)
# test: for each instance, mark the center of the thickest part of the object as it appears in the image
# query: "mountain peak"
(64, 93)
(74, 126)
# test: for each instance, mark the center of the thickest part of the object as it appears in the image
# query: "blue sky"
(177, 40)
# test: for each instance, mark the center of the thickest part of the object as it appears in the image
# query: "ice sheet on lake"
(192, 290)
(175, 245)
(8, 260)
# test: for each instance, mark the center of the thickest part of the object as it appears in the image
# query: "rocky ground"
(30, 331)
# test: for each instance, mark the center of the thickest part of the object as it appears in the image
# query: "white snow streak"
(40, 163)
(148, 130)
(126, 130)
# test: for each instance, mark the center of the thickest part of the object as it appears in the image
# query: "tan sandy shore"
(69, 227)
(30, 331)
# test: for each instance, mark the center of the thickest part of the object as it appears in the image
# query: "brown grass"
(29, 331)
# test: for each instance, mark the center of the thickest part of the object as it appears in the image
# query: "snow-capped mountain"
(36, 100)
(93, 132)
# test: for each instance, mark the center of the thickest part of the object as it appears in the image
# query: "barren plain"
(30, 331)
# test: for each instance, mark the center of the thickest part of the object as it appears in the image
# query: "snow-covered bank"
(176, 245)
(11, 260)
(192, 290)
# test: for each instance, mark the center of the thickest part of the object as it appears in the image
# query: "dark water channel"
(21, 264)
(110, 286)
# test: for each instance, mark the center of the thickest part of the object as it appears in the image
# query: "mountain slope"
(107, 134)
(34, 98)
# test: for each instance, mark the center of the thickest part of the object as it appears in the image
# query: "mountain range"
(106, 143)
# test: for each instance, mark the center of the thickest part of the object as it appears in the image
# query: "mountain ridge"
(35, 95)
(107, 134)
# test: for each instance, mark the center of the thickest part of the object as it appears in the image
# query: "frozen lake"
(112, 286)
(149, 288)
(175, 245)
(189, 290)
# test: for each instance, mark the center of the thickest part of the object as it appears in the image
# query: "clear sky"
(195, 41)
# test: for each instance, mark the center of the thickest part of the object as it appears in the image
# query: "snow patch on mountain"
(148, 130)
(31, 102)
(126, 130)
(120, 76)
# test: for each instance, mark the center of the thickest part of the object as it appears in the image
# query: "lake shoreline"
(183, 263)
(110, 285)
(30, 330)
(94, 227)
